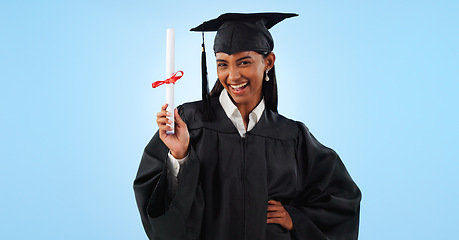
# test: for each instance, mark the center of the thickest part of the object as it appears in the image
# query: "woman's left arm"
(328, 205)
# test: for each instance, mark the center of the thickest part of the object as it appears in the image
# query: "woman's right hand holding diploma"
(179, 141)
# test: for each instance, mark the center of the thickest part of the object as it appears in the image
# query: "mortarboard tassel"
(207, 111)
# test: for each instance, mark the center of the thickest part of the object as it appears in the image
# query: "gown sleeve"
(164, 216)
(329, 201)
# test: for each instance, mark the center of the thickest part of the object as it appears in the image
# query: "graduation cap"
(237, 32)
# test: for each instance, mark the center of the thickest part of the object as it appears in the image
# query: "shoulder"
(307, 138)
(191, 112)
(277, 126)
(190, 109)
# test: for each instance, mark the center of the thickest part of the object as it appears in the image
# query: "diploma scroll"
(170, 62)
(171, 77)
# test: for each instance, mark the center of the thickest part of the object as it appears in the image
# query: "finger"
(163, 129)
(282, 222)
(272, 208)
(274, 202)
(163, 113)
(164, 126)
(163, 121)
(276, 215)
(274, 220)
(162, 116)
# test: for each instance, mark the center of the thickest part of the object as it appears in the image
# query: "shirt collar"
(235, 116)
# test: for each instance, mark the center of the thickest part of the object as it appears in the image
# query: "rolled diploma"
(170, 62)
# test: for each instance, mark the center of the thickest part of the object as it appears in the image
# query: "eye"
(221, 64)
(242, 63)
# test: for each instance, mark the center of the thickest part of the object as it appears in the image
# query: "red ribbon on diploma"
(172, 79)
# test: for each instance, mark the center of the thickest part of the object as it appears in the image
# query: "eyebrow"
(242, 58)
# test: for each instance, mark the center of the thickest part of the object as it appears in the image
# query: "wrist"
(179, 155)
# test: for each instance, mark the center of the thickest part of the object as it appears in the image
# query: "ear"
(269, 60)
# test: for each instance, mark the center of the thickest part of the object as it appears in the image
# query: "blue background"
(375, 80)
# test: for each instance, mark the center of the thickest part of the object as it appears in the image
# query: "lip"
(238, 88)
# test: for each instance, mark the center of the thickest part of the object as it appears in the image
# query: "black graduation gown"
(225, 184)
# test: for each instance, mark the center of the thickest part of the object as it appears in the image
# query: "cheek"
(222, 76)
(258, 72)
(222, 80)
(261, 74)
(259, 77)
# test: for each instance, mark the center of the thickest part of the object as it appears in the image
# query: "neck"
(245, 110)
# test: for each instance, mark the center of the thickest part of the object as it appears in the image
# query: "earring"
(267, 78)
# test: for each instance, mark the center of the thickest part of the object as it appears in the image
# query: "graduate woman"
(235, 168)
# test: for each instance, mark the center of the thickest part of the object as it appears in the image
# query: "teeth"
(238, 86)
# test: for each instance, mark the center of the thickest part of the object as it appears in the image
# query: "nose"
(234, 74)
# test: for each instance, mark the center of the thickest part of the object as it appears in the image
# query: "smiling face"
(241, 74)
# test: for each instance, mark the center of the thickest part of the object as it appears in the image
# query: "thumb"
(177, 117)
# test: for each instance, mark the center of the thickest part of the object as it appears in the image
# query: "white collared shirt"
(236, 118)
